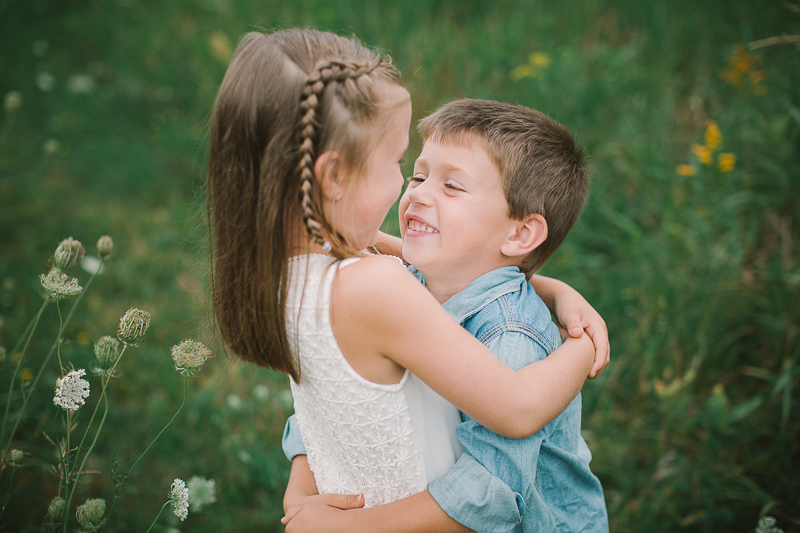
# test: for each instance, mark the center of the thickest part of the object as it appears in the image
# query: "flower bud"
(107, 351)
(132, 326)
(90, 514)
(56, 507)
(16, 456)
(105, 245)
(189, 357)
(68, 254)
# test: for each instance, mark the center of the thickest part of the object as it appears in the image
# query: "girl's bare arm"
(398, 321)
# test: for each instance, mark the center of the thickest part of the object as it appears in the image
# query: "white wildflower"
(51, 146)
(58, 285)
(80, 84)
(261, 392)
(179, 496)
(16, 456)
(767, 524)
(202, 492)
(71, 390)
(45, 81)
(189, 357)
(234, 401)
(13, 101)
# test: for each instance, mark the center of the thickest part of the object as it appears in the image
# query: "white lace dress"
(360, 436)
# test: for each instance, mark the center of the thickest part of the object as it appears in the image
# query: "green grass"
(693, 427)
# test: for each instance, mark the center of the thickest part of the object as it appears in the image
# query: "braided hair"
(287, 97)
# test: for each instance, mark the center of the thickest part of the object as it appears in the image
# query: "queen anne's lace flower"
(189, 357)
(90, 514)
(58, 285)
(69, 254)
(133, 325)
(17, 455)
(179, 496)
(202, 492)
(71, 390)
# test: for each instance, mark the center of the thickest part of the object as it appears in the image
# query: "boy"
(495, 191)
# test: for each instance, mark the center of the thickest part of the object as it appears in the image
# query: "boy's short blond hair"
(542, 169)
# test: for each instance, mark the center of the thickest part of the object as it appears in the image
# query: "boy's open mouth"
(418, 225)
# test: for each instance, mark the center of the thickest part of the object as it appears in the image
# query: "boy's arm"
(389, 244)
(576, 315)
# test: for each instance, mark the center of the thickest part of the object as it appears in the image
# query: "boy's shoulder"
(502, 302)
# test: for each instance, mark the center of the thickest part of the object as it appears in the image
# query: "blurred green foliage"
(694, 426)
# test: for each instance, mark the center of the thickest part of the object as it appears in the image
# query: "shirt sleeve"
(292, 441)
(487, 488)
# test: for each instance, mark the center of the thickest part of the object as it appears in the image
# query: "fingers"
(602, 355)
(291, 513)
(343, 501)
(574, 327)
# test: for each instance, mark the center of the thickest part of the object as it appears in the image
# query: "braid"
(326, 72)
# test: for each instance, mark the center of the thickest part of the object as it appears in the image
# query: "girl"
(306, 140)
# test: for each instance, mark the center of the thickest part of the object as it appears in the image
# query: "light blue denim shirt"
(548, 472)
(542, 483)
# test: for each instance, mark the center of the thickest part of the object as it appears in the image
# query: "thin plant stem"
(125, 476)
(154, 521)
(58, 340)
(27, 337)
(104, 399)
(50, 353)
(10, 484)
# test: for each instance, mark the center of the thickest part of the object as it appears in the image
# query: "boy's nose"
(420, 194)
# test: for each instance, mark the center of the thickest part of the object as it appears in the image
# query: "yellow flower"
(727, 162)
(537, 62)
(713, 135)
(686, 170)
(26, 374)
(220, 46)
(703, 153)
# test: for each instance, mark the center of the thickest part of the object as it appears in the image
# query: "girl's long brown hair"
(286, 97)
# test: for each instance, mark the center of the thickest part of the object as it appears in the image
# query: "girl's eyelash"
(453, 187)
(402, 161)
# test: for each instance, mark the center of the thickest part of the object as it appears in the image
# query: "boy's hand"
(575, 314)
(314, 511)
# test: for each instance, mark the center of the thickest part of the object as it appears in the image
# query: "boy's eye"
(453, 186)
(416, 179)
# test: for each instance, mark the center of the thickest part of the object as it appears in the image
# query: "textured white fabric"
(358, 434)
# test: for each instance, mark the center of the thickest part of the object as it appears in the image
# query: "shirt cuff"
(475, 498)
(292, 441)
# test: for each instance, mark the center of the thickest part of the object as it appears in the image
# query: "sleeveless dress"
(384, 441)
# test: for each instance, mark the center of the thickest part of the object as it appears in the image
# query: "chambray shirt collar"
(482, 291)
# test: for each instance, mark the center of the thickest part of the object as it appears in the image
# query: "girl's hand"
(575, 314)
(322, 509)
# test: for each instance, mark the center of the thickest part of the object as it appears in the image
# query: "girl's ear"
(326, 171)
(525, 236)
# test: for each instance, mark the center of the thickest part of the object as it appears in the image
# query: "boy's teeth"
(419, 226)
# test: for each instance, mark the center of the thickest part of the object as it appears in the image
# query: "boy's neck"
(445, 285)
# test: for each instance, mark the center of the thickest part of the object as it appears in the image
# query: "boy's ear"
(326, 171)
(526, 235)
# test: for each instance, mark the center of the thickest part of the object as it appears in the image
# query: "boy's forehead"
(469, 142)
